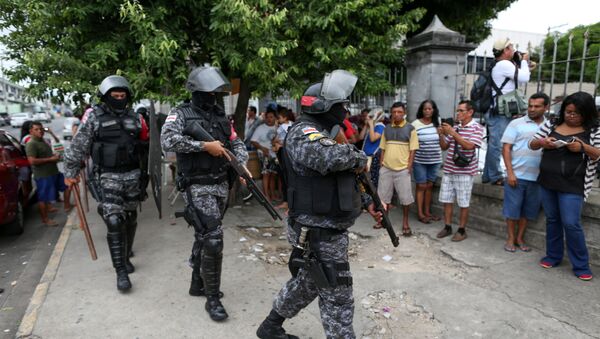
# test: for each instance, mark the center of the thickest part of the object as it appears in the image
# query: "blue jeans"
(496, 124)
(563, 215)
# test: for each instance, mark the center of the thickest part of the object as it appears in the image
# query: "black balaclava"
(118, 105)
(335, 116)
(203, 99)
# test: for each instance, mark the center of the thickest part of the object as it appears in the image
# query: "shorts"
(398, 180)
(456, 186)
(25, 174)
(424, 173)
(523, 201)
(268, 164)
(48, 187)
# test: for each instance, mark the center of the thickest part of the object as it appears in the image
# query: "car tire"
(18, 225)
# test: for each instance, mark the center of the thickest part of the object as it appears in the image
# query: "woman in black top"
(571, 148)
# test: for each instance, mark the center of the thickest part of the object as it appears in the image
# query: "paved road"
(23, 258)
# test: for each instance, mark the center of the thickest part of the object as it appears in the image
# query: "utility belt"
(183, 182)
(119, 169)
(325, 274)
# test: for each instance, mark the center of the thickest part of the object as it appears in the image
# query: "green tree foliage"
(470, 18)
(562, 50)
(69, 46)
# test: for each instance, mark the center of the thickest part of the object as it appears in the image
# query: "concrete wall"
(485, 214)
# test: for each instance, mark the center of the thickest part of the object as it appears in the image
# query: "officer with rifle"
(205, 176)
(116, 137)
(324, 201)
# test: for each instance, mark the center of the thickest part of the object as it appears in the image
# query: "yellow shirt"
(397, 153)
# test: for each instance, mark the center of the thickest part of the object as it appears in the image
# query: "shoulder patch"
(171, 117)
(327, 142)
(309, 130)
(315, 136)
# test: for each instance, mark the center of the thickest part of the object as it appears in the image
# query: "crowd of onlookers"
(401, 152)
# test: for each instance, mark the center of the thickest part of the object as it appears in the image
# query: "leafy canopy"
(66, 47)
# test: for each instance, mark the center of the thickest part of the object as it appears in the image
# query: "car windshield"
(20, 115)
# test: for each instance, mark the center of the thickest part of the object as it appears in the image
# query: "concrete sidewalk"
(425, 288)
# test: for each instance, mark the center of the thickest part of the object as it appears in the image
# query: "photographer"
(460, 166)
(506, 75)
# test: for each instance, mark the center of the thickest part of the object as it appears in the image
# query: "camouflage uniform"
(209, 199)
(310, 152)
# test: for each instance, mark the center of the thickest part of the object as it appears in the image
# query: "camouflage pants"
(210, 206)
(335, 304)
(120, 192)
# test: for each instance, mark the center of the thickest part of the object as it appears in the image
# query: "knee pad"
(213, 246)
(114, 222)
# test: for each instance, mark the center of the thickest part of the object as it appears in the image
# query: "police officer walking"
(205, 177)
(116, 137)
(324, 201)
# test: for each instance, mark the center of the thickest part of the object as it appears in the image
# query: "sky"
(536, 16)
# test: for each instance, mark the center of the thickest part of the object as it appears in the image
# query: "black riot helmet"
(207, 79)
(114, 82)
(335, 88)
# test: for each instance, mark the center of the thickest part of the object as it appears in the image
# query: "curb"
(39, 295)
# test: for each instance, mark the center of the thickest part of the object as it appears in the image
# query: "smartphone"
(560, 143)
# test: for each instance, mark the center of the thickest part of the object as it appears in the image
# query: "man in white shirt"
(506, 76)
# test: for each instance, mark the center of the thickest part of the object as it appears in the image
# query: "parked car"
(12, 199)
(17, 119)
(67, 131)
(42, 117)
(4, 119)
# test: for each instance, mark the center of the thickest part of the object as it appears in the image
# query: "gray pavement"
(425, 288)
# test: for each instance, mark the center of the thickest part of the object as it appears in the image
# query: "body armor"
(334, 195)
(115, 146)
(201, 167)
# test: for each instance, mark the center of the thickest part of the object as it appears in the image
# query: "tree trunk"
(241, 108)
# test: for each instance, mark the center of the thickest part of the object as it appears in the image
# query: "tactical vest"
(115, 145)
(335, 195)
(201, 167)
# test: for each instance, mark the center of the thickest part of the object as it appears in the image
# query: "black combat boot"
(196, 286)
(131, 228)
(272, 328)
(210, 270)
(117, 248)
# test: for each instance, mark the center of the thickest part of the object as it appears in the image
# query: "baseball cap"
(501, 44)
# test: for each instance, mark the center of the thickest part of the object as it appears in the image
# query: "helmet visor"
(338, 85)
(208, 79)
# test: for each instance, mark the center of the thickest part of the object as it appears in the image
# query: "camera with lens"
(517, 57)
(449, 121)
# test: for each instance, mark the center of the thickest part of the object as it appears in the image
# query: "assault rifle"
(370, 190)
(196, 131)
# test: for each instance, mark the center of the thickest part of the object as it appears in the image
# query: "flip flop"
(425, 220)
(406, 232)
(523, 247)
(510, 248)
(377, 226)
(434, 218)
(50, 223)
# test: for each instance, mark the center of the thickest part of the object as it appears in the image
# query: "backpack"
(481, 93)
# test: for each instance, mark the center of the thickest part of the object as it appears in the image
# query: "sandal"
(499, 182)
(510, 248)
(523, 247)
(434, 217)
(377, 226)
(406, 232)
(425, 220)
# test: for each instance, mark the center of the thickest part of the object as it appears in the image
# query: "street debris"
(387, 258)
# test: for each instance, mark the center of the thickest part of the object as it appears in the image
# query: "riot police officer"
(115, 136)
(204, 176)
(324, 201)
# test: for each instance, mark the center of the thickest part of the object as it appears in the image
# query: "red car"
(12, 193)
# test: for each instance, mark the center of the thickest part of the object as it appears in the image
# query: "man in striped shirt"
(460, 166)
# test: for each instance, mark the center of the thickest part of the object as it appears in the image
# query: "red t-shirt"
(348, 130)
